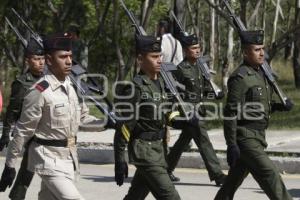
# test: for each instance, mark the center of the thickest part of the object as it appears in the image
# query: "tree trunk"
(228, 63)
(296, 57)
(275, 21)
(243, 12)
(147, 8)
(212, 36)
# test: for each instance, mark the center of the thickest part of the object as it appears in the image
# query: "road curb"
(188, 159)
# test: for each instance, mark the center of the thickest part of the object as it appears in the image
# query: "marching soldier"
(247, 115)
(50, 117)
(190, 76)
(35, 61)
(146, 146)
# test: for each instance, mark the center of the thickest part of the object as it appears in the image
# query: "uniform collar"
(54, 82)
(30, 78)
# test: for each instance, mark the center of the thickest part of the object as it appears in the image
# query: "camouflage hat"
(59, 41)
(33, 48)
(252, 37)
(188, 40)
(146, 44)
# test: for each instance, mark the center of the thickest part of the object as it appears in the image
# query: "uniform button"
(149, 143)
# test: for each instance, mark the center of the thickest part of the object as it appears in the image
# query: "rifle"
(265, 66)
(34, 35)
(87, 91)
(203, 66)
(19, 36)
(166, 68)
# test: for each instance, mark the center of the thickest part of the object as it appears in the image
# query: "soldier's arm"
(126, 110)
(26, 125)
(235, 100)
(14, 107)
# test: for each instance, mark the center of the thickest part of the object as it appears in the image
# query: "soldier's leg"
(264, 171)
(24, 178)
(206, 150)
(138, 189)
(45, 193)
(235, 177)
(177, 150)
(158, 181)
(62, 188)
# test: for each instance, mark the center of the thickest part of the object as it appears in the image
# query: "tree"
(296, 58)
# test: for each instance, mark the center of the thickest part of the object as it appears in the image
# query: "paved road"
(97, 183)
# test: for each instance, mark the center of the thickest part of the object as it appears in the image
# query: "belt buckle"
(71, 142)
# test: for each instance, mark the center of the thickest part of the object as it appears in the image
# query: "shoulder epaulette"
(242, 71)
(41, 86)
(138, 80)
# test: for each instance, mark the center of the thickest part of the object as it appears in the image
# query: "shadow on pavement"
(194, 184)
(295, 192)
(104, 179)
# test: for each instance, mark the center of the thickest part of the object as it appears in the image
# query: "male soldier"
(35, 59)
(190, 76)
(146, 127)
(171, 48)
(50, 117)
(247, 114)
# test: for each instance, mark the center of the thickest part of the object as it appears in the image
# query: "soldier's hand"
(280, 107)
(7, 178)
(288, 105)
(121, 172)
(4, 140)
(233, 154)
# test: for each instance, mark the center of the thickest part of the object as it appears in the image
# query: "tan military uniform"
(51, 111)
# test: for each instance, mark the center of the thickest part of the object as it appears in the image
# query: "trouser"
(254, 160)
(155, 179)
(24, 178)
(201, 139)
(58, 188)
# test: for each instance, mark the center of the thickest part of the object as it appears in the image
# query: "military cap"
(59, 41)
(146, 44)
(188, 40)
(164, 23)
(33, 48)
(252, 37)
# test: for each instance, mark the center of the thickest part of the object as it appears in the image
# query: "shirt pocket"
(60, 116)
(255, 94)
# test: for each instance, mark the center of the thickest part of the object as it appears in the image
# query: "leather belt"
(69, 142)
(151, 136)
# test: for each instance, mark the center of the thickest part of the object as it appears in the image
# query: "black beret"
(146, 44)
(252, 37)
(34, 48)
(59, 41)
(188, 40)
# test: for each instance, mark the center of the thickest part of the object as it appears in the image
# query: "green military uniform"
(146, 146)
(246, 117)
(191, 77)
(146, 128)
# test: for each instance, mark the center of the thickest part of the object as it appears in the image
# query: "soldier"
(50, 117)
(247, 113)
(171, 48)
(35, 62)
(190, 76)
(146, 145)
